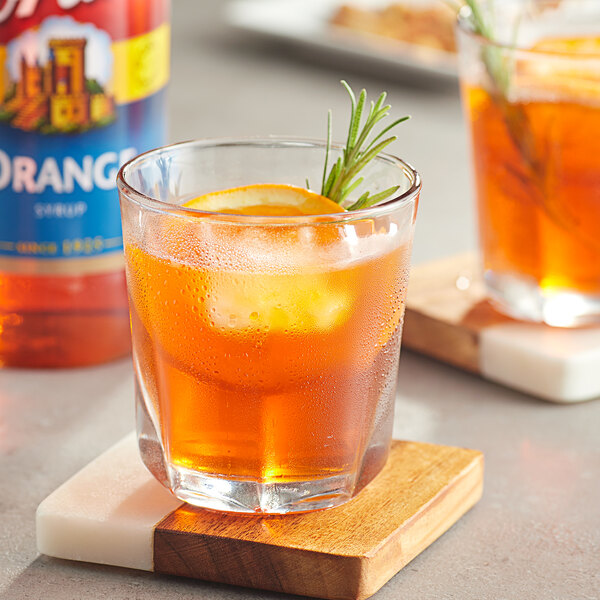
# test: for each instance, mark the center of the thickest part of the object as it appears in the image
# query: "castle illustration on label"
(56, 96)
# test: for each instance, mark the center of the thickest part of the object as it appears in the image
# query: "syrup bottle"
(82, 90)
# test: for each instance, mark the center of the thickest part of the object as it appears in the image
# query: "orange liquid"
(545, 230)
(48, 321)
(267, 376)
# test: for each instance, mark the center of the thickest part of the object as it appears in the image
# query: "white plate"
(304, 24)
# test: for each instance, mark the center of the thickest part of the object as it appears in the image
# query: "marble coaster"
(449, 318)
(114, 512)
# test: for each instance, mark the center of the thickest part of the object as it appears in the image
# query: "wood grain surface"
(347, 552)
(446, 309)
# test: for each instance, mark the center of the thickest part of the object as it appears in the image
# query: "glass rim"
(127, 190)
(463, 25)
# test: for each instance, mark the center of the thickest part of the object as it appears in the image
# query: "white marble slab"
(560, 365)
(449, 318)
(106, 513)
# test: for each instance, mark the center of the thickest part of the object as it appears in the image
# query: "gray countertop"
(536, 531)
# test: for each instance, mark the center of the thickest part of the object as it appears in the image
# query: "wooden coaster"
(114, 512)
(449, 318)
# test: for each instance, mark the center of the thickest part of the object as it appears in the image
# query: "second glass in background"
(532, 98)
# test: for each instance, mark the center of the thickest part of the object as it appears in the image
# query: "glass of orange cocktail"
(530, 76)
(266, 328)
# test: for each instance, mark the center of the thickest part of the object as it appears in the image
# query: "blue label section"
(58, 196)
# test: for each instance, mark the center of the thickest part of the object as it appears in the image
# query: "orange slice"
(573, 79)
(265, 199)
(584, 45)
(299, 302)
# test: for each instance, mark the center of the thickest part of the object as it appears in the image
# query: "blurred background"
(256, 67)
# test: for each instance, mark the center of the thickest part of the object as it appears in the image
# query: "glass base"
(244, 496)
(253, 497)
(523, 299)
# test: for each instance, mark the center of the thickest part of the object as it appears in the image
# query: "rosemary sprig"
(498, 62)
(360, 149)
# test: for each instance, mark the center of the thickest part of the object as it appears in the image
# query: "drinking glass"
(532, 101)
(265, 347)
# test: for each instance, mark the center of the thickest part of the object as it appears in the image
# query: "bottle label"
(77, 100)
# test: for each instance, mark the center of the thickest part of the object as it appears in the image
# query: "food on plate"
(431, 26)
